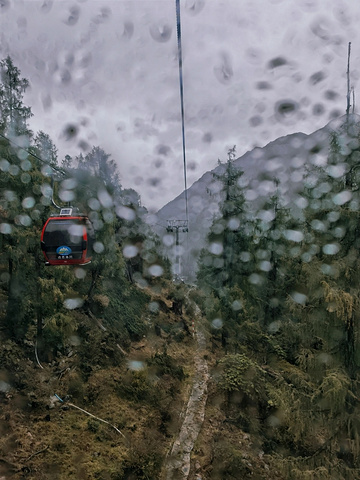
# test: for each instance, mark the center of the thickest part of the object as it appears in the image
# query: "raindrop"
(168, 240)
(207, 137)
(72, 303)
(265, 266)
(66, 195)
(255, 121)
(156, 270)
(294, 235)
(4, 165)
(73, 17)
(74, 340)
(256, 279)
(25, 220)
(70, 131)
(160, 32)
(342, 197)
(277, 62)
(25, 178)
(47, 171)
(14, 170)
(330, 95)
(46, 6)
(217, 323)
(333, 216)
(98, 247)
(46, 190)
(274, 326)
(216, 248)
(263, 85)
(328, 269)
(28, 202)
(224, 71)
(94, 204)
(4, 386)
(80, 273)
(136, 365)
(325, 358)
(339, 232)
(126, 213)
(245, 256)
(273, 421)
(130, 251)
(318, 109)
(317, 77)
(128, 30)
(194, 6)
(108, 216)
(154, 307)
(318, 225)
(105, 198)
(5, 276)
(331, 248)
(306, 257)
(218, 262)
(285, 110)
(69, 183)
(299, 298)
(236, 305)
(234, 224)
(26, 165)
(5, 228)
(163, 150)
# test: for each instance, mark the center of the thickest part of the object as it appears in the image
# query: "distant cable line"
(178, 27)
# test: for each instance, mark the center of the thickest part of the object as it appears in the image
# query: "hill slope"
(280, 164)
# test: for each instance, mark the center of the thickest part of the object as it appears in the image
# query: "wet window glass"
(179, 239)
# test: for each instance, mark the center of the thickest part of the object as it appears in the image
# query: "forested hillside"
(114, 371)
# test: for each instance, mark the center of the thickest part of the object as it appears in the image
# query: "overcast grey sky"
(111, 69)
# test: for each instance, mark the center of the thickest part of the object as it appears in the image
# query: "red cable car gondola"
(67, 238)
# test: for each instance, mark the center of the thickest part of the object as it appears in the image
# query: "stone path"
(177, 464)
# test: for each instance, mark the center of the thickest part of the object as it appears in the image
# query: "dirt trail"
(177, 464)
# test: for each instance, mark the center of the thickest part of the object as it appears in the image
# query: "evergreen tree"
(13, 113)
(220, 265)
(45, 148)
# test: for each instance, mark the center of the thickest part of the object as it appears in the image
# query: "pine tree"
(13, 113)
(219, 265)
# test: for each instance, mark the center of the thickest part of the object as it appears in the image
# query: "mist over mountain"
(279, 166)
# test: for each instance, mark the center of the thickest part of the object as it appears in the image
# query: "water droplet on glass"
(98, 247)
(156, 270)
(342, 198)
(80, 273)
(5, 228)
(331, 248)
(236, 305)
(160, 32)
(154, 307)
(130, 251)
(126, 213)
(136, 365)
(299, 298)
(216, 248)
(217, 323)
(72, 303)
(294, 235)
(28, 202)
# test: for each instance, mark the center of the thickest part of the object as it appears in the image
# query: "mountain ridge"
(280, 164)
